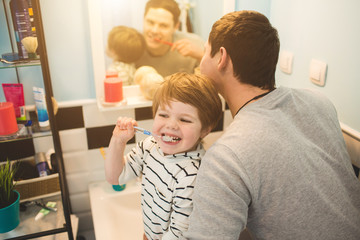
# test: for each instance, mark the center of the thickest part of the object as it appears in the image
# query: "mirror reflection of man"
(168, 50)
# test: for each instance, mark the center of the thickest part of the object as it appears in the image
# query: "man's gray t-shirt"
(282, 170)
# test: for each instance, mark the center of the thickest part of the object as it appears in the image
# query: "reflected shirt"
(172, 61)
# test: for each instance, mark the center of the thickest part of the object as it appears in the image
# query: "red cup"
(113, 88)
(8, 124)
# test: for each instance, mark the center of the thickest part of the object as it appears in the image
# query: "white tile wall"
(76, 162)
(73, 140)
(78, 182)
(93, 117)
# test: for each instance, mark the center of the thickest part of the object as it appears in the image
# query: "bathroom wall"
(327, 31)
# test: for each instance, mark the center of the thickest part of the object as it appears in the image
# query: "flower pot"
(10, 216)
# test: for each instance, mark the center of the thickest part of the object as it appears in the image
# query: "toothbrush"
(163, 42)
(146, 132)
(46, 207)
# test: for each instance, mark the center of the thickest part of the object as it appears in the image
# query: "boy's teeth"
(170, 139)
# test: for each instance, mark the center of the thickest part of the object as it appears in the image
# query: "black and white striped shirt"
(167, 187)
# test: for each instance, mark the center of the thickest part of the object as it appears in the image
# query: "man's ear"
(223, 59)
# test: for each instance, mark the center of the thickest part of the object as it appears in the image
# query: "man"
(281, 169)
(168, 50)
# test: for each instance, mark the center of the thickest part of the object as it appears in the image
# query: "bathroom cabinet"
(59, 222)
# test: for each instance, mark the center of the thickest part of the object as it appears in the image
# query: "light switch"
(317, 72)
(286, 59)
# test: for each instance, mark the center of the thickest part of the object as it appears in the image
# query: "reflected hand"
(186, 48)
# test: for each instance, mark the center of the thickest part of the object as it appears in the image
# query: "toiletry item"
(22, 24)
(46, 207)
(30, 44)
(41, 164)
(10, 57)
(113, 88)
(14, 93)
(31, 15)
(8, 124)
(43, 212)
(146, 132)
(39, 97)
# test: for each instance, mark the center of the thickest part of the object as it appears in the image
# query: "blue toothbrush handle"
(146, 132)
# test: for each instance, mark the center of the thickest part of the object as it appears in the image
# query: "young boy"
(186, 107)
(125, 46)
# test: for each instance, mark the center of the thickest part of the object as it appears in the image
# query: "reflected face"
(158, 24)
(181, 122)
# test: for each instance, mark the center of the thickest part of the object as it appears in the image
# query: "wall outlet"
(317, 72)
(286, 59)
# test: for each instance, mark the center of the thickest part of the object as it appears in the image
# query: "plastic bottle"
(22, 24)
(41, 164)
(39, 97)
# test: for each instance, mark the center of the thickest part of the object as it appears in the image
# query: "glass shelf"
(26, 133)
(25, 63)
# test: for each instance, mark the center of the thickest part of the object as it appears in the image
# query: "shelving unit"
(61, 221)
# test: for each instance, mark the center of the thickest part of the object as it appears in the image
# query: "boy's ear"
(205, 132)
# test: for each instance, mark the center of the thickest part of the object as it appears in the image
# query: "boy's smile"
(181, 124)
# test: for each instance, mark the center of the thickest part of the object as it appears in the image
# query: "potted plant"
(9, 198)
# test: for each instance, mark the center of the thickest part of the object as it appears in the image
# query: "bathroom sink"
(116, 215)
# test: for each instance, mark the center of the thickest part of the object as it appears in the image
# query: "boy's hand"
(124, 129)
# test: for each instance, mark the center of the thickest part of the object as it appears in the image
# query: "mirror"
(105, 14)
